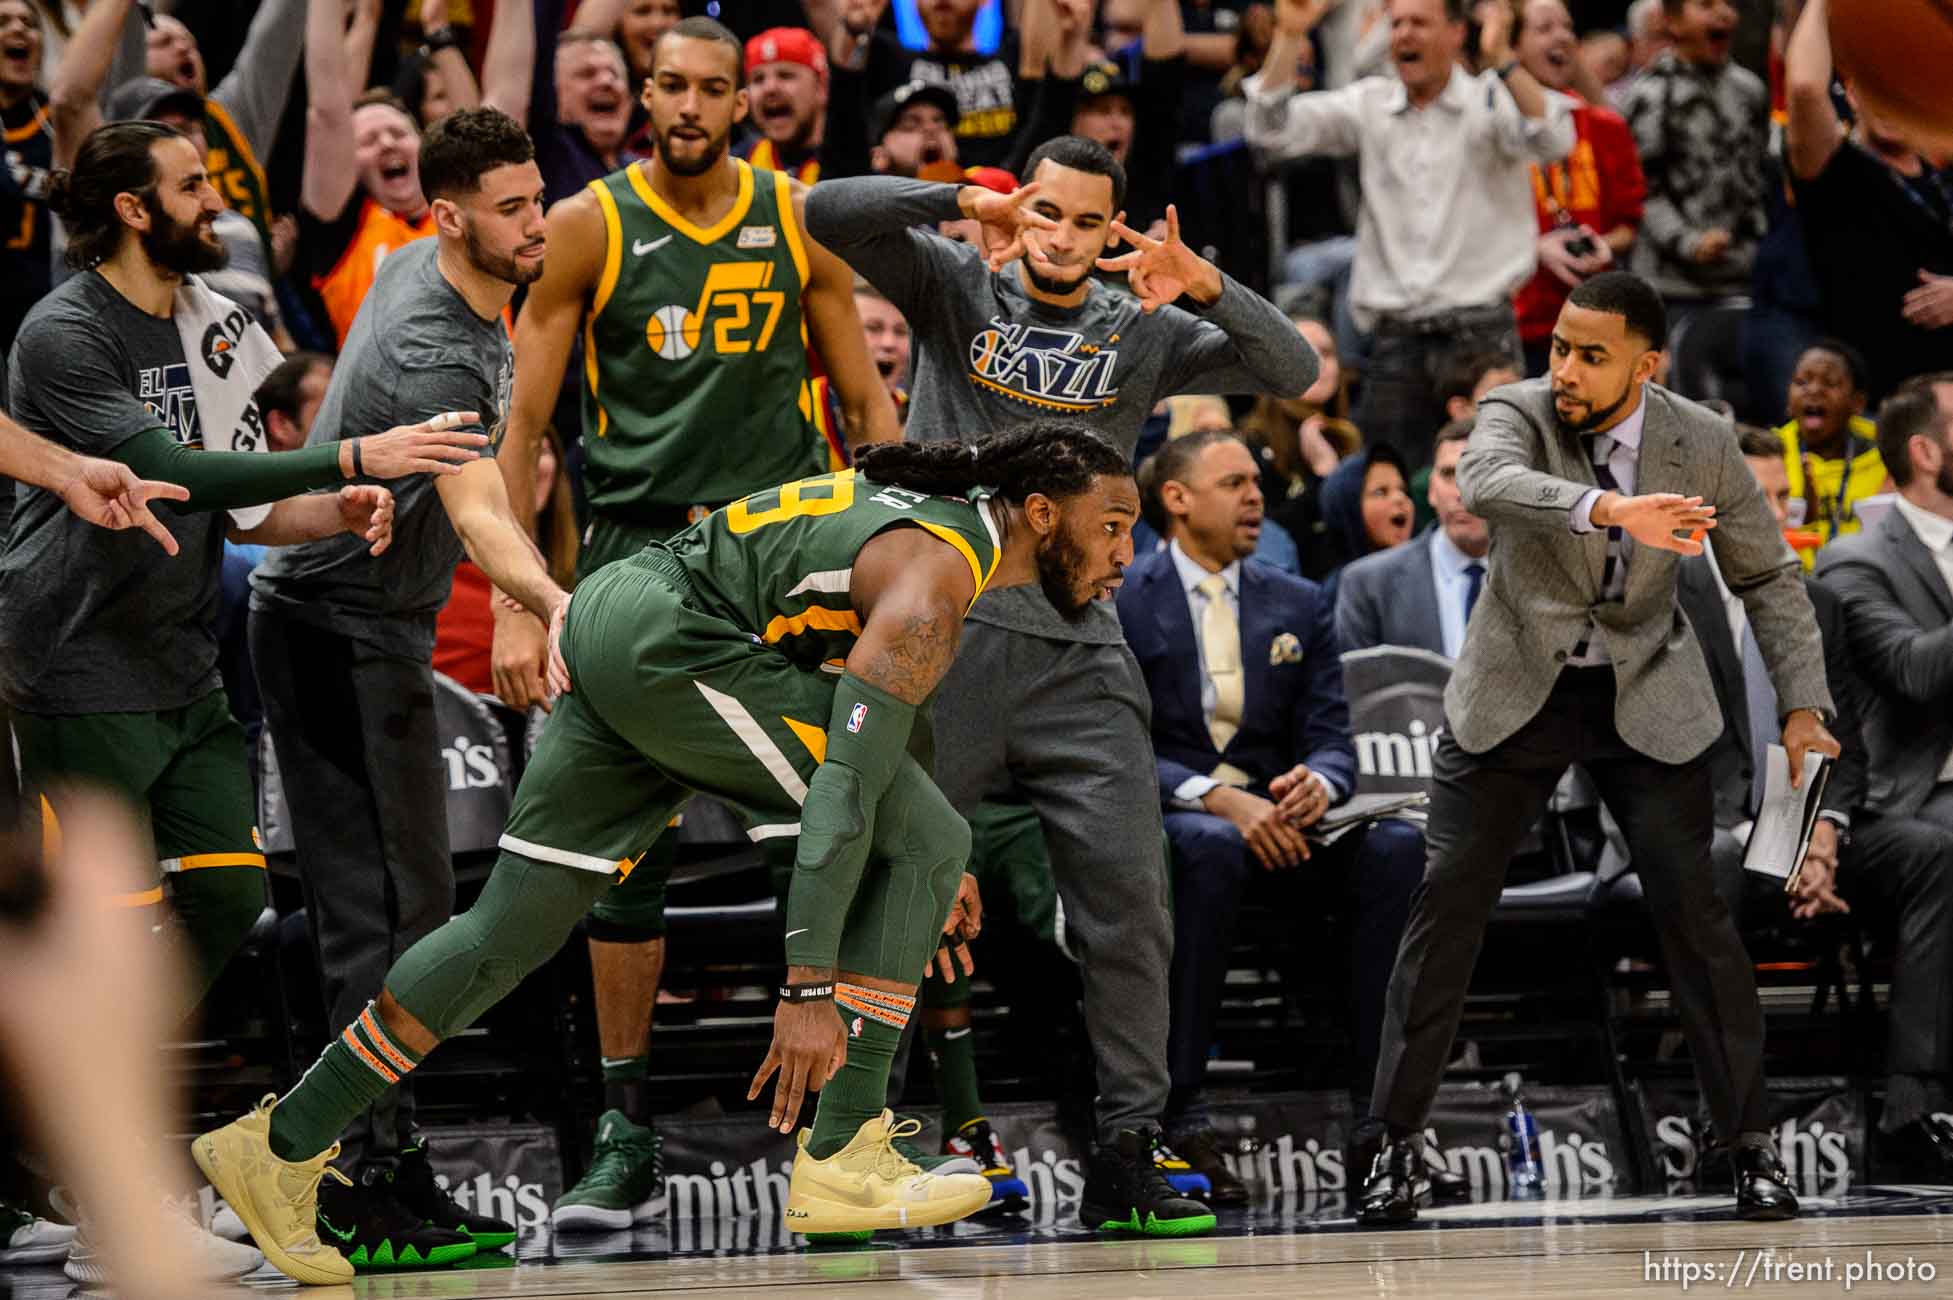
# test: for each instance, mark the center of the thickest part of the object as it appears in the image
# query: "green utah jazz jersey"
(695, 350)
(778, 563)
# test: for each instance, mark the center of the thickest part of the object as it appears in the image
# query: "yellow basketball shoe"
(277, 1200)
(868, 1184)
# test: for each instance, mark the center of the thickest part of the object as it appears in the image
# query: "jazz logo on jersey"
(1049, 368)
(737, 297)
(857, 717)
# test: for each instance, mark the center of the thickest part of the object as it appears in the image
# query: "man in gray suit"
(1577, 651)
(1420, 594)
(1896, 581)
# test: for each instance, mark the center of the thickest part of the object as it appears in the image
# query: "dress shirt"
(1447, 220)
(1935, 533)
(1622, 459)
(1189, 792)
(1448, 565)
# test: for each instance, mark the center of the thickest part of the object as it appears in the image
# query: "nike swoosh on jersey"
(801, 930)
(640, 247)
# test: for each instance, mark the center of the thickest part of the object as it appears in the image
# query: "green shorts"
(608, 540)
(184, 769)
(666, 701)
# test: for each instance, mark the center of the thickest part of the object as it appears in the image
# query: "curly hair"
(1052, 458)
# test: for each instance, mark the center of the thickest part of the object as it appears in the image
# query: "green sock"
(349, 1076)
(953, 1054)
(859, 1092)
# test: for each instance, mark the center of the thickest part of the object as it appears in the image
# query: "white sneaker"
(227, 1225)
(213, 1258)
(25, 1239)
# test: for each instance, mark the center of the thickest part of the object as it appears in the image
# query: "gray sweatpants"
(1054, 712)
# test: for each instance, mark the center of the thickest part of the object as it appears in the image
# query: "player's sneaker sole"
(1127, 1220)
(599, 1218)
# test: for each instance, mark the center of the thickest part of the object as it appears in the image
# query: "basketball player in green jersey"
(695, 292)
(774, 656)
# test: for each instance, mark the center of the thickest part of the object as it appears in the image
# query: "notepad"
(1782, 834)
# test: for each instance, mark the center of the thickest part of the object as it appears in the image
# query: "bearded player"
(773, 656)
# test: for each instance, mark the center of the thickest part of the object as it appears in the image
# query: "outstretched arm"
(867, 413)
(103, 492)
(331, 161)
(1813, 133)
(74, 102)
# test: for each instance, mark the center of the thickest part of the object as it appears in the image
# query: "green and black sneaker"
(625, 1183)
(364, 1222)
(1126, 1192)
(415, 1187)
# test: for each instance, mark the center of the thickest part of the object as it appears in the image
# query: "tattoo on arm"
(911, 658)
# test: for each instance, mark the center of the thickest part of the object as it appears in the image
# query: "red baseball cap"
(992, 178)
(787, 45)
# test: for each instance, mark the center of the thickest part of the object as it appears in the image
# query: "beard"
(715, 148)
(503, 266)
(179, 247)
(1944, 479)
(1060, 561)
(1596, 415)
(1045, 284)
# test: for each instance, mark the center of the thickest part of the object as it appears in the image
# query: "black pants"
(1373, 870)
(361, 763)
(1481, 806)
(1903, 867)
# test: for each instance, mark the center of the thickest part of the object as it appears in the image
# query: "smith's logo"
(1814, 1156)
(471, 766)
(1049, 368)
(1392, 753)
(1568, 1164)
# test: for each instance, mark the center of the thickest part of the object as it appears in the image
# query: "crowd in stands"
(1450, 172)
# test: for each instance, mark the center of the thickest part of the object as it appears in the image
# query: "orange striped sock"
(352, 1072)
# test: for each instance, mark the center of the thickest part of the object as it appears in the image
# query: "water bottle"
(1247, 1154)
(1521, 1143)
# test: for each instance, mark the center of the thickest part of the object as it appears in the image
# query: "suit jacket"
(1293, 711)
(1390, 598)
(1731, 758)
(1542, 592)
(1900, 617)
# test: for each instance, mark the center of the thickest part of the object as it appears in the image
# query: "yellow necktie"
(1220, 647)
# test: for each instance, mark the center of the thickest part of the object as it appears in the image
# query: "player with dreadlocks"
(773, 655)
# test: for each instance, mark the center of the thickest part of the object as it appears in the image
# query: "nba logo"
(857, 716)
(854, 1030)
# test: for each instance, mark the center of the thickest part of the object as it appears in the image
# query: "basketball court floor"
(1871, 1241)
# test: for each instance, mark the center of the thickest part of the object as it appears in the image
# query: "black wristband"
(822, 992)
(1506, 69)
(359, 470)
(442, 38)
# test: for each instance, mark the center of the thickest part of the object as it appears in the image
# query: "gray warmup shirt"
(95, 621)
(416, 349)
(987, 356)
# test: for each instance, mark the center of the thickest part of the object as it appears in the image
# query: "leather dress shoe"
(1447, 1188)
(1762, 1187)
(1919, 1152)
(1392, 1192)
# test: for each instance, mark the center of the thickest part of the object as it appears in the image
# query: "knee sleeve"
(918, 854)
(633, 911)
(526, 910)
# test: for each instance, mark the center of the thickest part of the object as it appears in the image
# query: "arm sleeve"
(867, 739)
(869, 222)
(260, 82)
(1241, 344)
(230, 480)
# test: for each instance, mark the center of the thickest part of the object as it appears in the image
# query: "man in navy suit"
(1253, 744)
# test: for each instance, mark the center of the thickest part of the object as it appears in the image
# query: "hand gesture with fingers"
(964, 924)
(108, 494)
(1160, 270)
(809, 1048)
(559, 667)
(367, 511)
(441, 445)
(1004, 218)
(1655, 519)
